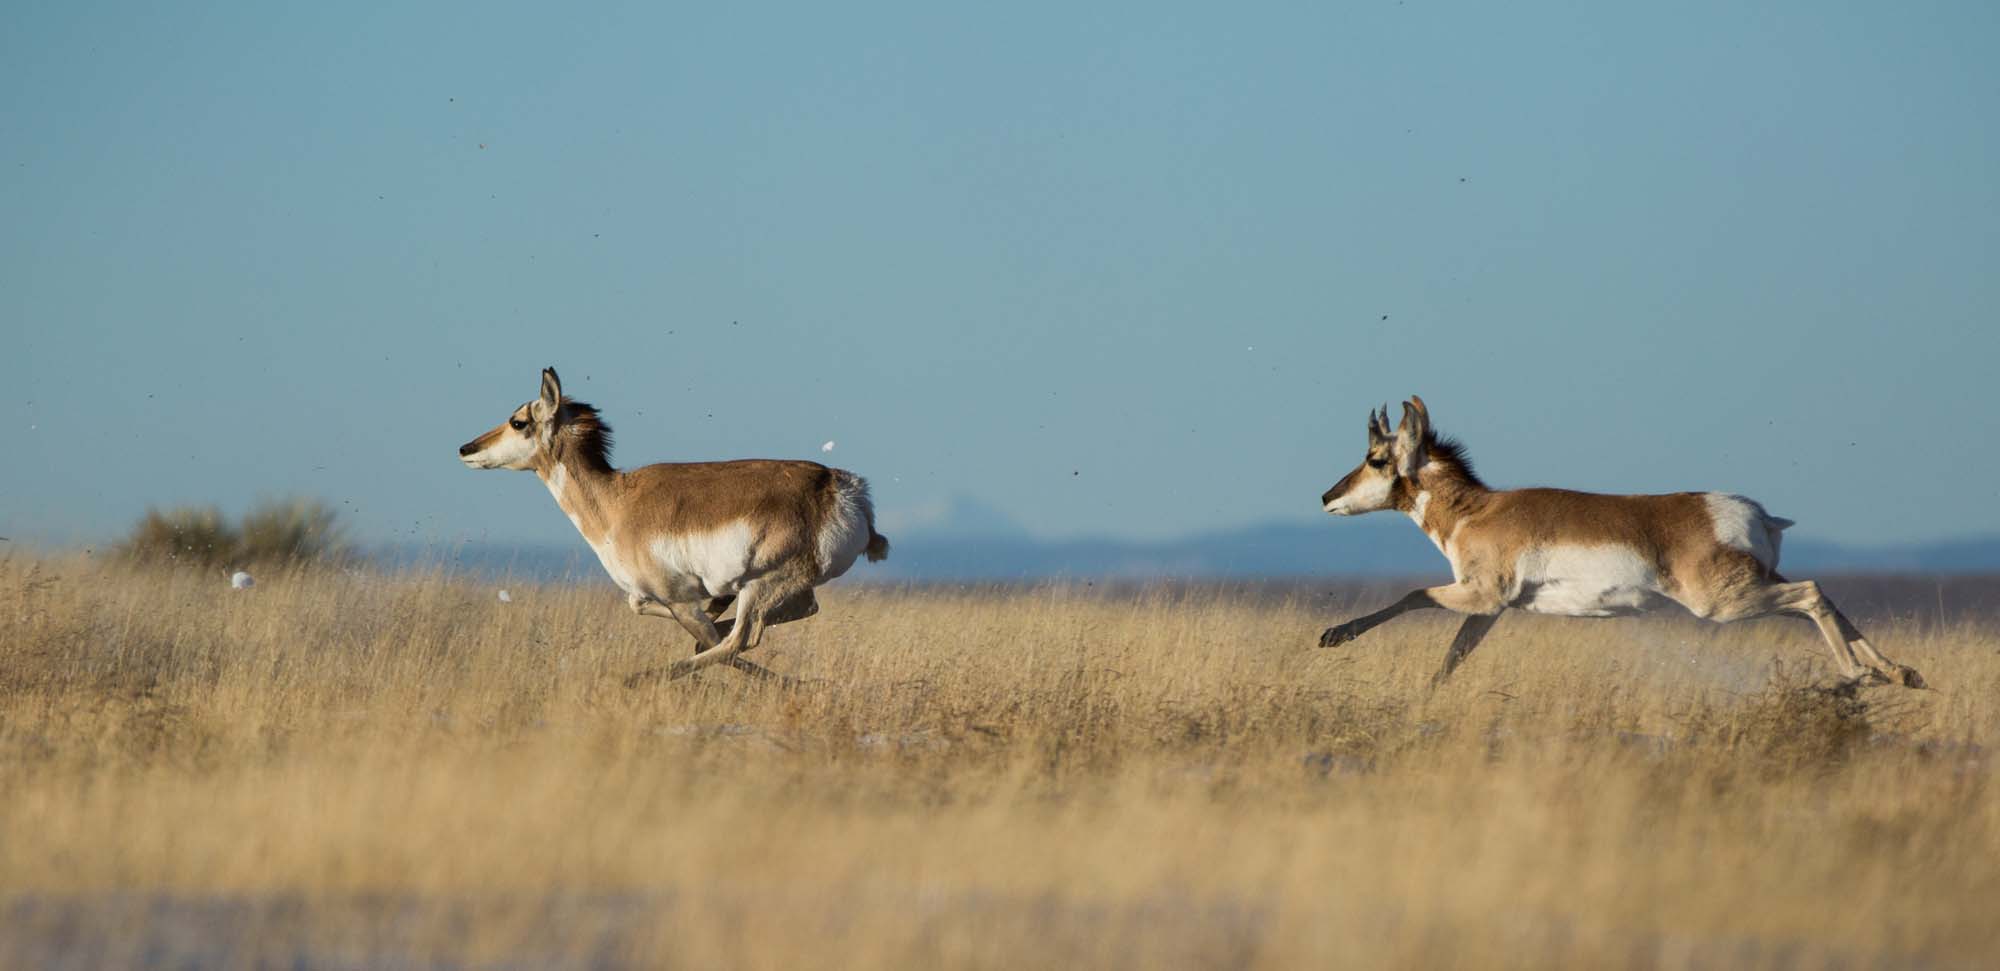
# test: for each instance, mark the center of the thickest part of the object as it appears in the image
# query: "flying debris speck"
(828, 447)
(504, 598)
(241, 581)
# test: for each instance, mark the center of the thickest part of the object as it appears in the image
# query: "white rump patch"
(1585, 581)
(843, 535)
(1742, 524)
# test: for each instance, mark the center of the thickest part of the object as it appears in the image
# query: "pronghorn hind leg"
(797, 607)
(715, 608)
(739, 662)
(1866, 653)
(1803, 599)
(701, 626)
(758, 598)
(1468, 637)
(800, 606)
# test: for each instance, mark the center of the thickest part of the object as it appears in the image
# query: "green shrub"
(291, 530)
(273, 532)
(190, 535)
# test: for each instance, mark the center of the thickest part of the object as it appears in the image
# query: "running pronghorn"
(1579, 554)
(684, 540)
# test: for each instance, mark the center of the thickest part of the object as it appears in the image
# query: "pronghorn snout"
(475, 454)
(500, 448)
(468, 453)
(1334, 500)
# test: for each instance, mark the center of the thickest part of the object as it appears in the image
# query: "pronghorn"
(684, 540)
(1579, 554)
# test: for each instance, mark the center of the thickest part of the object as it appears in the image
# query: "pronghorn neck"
(582, 489)
(576, 466)
(1444, 491)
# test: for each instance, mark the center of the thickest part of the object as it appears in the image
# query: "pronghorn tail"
(1775, 527)
(855, 488)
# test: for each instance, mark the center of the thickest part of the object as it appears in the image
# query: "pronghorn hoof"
(1910, 677)
(1335, 636)
(635, 680)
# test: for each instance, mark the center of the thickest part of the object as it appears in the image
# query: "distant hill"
(966, 540)
(974, 541)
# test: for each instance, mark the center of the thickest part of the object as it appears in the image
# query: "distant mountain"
(1972, 555)
(963, 539)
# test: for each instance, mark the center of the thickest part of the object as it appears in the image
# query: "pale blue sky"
(1115, 270)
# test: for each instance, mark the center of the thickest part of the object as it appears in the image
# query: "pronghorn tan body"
(1579, 554)
(685, 540)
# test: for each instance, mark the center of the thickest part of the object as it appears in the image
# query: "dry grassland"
(361, 771)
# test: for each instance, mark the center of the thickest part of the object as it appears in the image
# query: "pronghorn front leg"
(1468, 637)
(1454, 596)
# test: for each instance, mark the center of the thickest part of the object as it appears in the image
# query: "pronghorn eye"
(517, 424)
(1377, 463)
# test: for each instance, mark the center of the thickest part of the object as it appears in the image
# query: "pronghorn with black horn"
(684, 540)
(1579, 554)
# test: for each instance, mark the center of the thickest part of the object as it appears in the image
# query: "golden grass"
(338, 768)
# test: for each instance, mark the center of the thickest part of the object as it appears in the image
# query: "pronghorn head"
(1392, 461)
(529, 431)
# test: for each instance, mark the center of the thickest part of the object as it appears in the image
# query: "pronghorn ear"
(1412, 441)
(545, 406)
